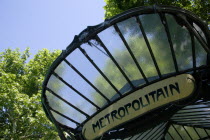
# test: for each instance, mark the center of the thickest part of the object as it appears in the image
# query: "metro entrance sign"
(143, 74)
(138, 103)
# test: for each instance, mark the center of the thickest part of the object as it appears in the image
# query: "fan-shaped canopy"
(143, 74)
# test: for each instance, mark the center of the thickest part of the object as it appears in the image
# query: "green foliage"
(199, 7)
(21, 112)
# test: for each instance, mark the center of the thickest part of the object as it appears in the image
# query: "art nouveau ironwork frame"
(150, 128)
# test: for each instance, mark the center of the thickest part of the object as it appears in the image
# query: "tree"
(199, 7)
(21, 112)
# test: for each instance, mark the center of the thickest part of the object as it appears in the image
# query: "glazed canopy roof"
(133, 50)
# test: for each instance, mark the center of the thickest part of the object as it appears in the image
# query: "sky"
(50, 24)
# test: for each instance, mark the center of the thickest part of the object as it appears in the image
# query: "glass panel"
(194, 110)
(155, 133)
(196, 123)
(160, 137)
(196, 106)
(198, 29)
(168, 137)
(64, 109)
(173, 133)
(117, 48)
(152, 133)
(74, 79)
(136, 42)
(208, 131)
(83, 65)
(143, 134)
(133, 137)
(200, 54)
(192, 132)
(102, 60)
(80, 62)
(181, 43)
(191, 113)
(181, 131)
(191, 117)
(201, 132)
(63, 120)
(158, 40)
(129, 138)
(69, 95)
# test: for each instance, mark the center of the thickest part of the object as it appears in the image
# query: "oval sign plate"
(139, 103)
